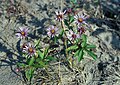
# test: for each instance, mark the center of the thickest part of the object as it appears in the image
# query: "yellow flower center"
(59, 16)
(52, 31)
(23, 33)
(80, 20)
(30, 49)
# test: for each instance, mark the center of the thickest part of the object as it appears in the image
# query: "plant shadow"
(111, 22)
(10, 59)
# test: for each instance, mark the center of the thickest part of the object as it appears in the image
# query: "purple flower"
(81, 30)
(80, 19)
(24, 46)
(52, 31)
(69, 11)
(22, 32)
(12, 1)
(17, 69)
(11, 10)
(72, 36)
(60, 15)
(28, 48)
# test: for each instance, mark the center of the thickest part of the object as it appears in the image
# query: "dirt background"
(36, 14)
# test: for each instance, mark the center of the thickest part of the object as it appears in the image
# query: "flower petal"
(21, 29)
(56, 12)
(18, 35)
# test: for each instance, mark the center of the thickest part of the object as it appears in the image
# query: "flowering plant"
(72, 34)
(34, 56)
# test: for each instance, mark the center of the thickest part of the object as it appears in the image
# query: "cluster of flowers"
(27, 47)
(79, 20)
(53, 31)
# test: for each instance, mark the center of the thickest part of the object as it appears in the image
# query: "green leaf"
(38, 66)
(80, 57)
(55, 39)
(71, 19)
(29, 73)
(74, 1)
(84, 38)
(90, 46)
(70, 27)
(61, 33)
(66, 23)
(46, 51)
(37, 43)
(40, 54)
(91, 54)
(42, 63)
(74, 47)
(50, 58)
(76, 53)
(31, 61)
(21, 64)
(38, 59)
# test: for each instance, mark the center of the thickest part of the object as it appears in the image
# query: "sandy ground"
(35, 14)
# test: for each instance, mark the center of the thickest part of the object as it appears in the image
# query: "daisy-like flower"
(24, 46)
(69, 11)
(52, 31)
(80, 19)
(81, 30)
(22, 32)
(29, 49)
(11, 10)
(12, 1)
(72, 36)
(60, 15)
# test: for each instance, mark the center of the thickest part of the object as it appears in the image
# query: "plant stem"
(65, 42)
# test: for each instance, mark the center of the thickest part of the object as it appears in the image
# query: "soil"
(37, 14)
